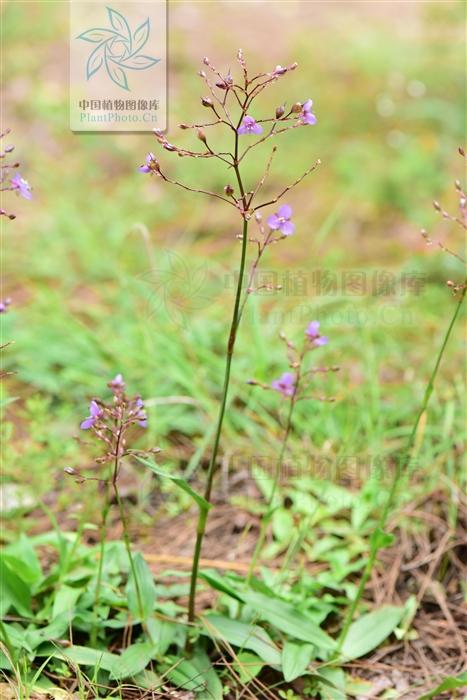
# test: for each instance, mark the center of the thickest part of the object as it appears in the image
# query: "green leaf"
(295, 659)
(147, 589)
(247, 665)
(162, 634)
(65, 600)
(82, 656)
(370, 630)
(334, 688)
(134, 659)
(201, 502)
(15, 592)
(22, 559)
(184, 674)
(295, 623)
(55, 631)
(219, 584)
(244, 636)
(380, 539)
(213, 691)
(449, 683)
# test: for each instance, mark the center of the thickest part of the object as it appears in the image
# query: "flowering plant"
(231, 102)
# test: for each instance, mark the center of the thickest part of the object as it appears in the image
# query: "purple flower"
(95, 412)
(151, 165)
(141, 414)
(249, 126)
(281, 220)
(22, 186)
(306, 115)
(313, 334)
(4, 305)
(117, 383)
(285, 385)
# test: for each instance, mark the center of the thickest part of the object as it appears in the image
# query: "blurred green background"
(111, 271)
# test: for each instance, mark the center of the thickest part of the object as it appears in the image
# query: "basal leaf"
(219, 583)
(295, 659)
(334, 687)
(200, 660)
(243, 636)
(449, 683)
(147, 589)
(83, 656)
(295, 623)
(370, 630)
(15, 592)
(134, 659)
(184, 674)
(247, 665)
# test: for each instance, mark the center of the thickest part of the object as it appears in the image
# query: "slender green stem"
(270, 508)
(399, 470)
(236, 315)
(126, 539)
(201, 526)
(100, 569)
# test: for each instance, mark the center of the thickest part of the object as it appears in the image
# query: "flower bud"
(183, 126)
(436, 205)
(201, 74)
(229, 190)
(280, 111)
(70, 470)
(201, 135)
(169, 147)
(461, 151)
(206, 61)
(297, 107)
(206, 102)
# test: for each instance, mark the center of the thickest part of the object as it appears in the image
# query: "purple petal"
(322, 340)
(313, 329)
(285, 211)
(287, 228)
(87, 423)
(143, 423)
(274, 222)
(309, 118)
(256, 129)
(94, 409)
(308, 105)
(242, 130)
(149, 158)
(144, 169)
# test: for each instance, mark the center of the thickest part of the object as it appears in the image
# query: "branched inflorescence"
(461, 220)
(110, 422)
(10, 182)
(231, 103)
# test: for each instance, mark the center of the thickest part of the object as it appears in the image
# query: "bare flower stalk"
(232, 103)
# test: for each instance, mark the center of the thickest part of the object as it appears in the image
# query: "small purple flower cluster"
(8, 183)
(123, 410)
(289, 383)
